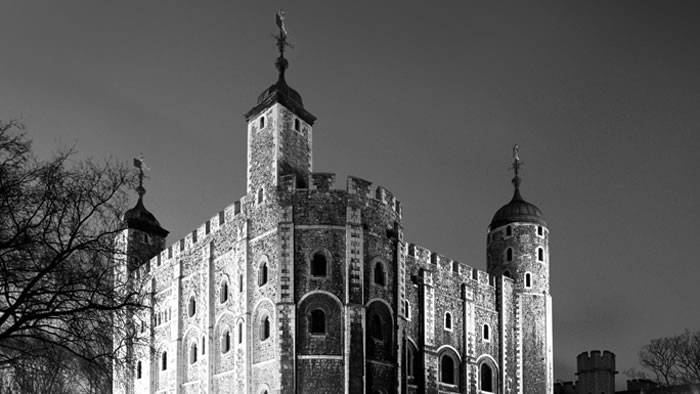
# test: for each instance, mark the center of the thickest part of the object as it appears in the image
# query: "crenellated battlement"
(167, 256)
(595, 360)
(325, 182)
(441, 262)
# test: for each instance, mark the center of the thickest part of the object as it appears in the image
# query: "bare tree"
(59, 295)
(673, 360)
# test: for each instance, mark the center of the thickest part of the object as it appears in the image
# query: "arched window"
(509, 231)
(485, 334)
(297, 125)
(138, 370)
(410, 360)
(447, 370)
(193, 353)
(448, 321)
(540, 232)
(486, 381)
(528, 279)
(262, 121)
(192, 308)
(262, 274)
(376, 328)
(261, 195)
(540, 254)
(317, 322)
(265, 328)
(509, 254)
(223, 295)
(318, 264)
(240, 332)
(164, 361)
(379, 277)
(226, 342)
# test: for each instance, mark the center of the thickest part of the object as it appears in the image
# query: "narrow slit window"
(262, 122)
(540, 254)
(486, 334)
(164, 361)
(509, 231)
(265, 329)
(297, 125)
(448, 321)
(262, 275)
(528, 279)
(509, 254)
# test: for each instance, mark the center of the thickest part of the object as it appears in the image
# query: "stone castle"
(301, 287)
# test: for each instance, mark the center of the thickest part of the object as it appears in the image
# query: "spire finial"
(516, 167)
(141, 165)
(282, 64)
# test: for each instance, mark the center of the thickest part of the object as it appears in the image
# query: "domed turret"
(139, 218)
(145, 237)
(517, 210)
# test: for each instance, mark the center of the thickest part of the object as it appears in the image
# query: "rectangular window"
(194, 236)
(207, 227)
(222, 218)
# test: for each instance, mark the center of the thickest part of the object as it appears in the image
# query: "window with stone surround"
(317, 322)
(528, 280)
(262, 274)
(540, 231)
(138, 370)
(262, 122)
(379, 275)
(449, 372)
(223, 293)
(448, 321)
(265, 328)
(407, 310)
(540, 254)
(319, 264)
(376, 328)
(240, 332)
(164, 361)
(192, 307)
(226, 342)
(486, 333)
(486, 378)
(193, 353)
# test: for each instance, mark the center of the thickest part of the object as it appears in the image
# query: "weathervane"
(516, 166)
(282, 43)
(141, 165)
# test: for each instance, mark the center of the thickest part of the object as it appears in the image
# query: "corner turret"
(144, 235)
(518, 248)
(279, 131)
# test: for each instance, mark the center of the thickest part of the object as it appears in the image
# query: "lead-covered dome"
(517, 210)
(140, 218)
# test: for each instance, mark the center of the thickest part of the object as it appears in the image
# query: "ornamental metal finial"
(282, 64)
(141, 165)
(516, 166)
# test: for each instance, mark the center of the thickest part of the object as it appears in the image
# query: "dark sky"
(426, 100)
